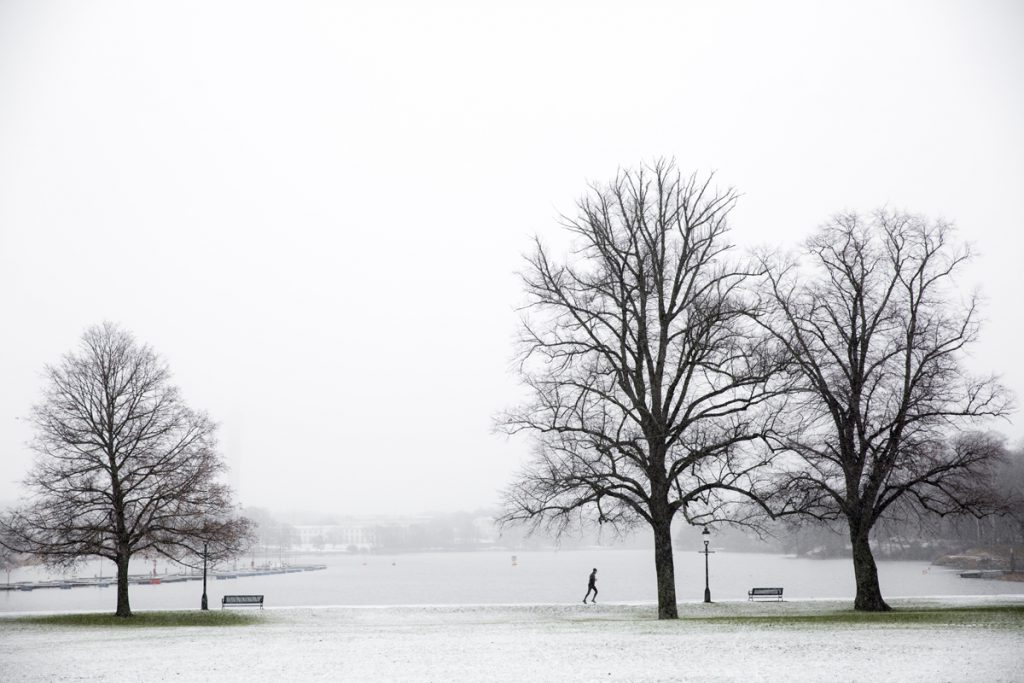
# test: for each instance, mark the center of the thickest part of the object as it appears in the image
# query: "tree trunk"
(123, 608)
(869, 593)
(664, 565)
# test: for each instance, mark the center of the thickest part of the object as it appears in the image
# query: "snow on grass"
(951, 639)
(142, 619)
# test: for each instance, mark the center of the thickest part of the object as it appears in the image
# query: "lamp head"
(705, 532)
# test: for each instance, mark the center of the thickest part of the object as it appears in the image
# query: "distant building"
(361, 534)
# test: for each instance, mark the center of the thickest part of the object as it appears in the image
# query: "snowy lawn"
(927, 640)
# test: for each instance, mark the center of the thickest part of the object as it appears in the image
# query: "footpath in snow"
(527, 643)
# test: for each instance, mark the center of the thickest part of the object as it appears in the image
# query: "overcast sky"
(315, 210)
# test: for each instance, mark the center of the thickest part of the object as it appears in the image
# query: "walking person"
(591, 586)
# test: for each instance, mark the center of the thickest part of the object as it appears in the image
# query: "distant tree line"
(447, 531)
(930, 537)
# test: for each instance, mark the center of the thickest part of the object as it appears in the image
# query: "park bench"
(242, 600)
(764, 593)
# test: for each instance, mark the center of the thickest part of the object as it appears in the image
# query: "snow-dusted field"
(523, 643)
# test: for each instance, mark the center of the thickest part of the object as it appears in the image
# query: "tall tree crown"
(877, 331)
(639, 356)
(122, 464)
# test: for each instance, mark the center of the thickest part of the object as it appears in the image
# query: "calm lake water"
(491, 578)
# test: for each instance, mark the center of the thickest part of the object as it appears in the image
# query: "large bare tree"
(645, 375)
(876, 330)
(122, 465)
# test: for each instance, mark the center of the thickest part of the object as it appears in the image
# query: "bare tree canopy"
(876, 333)
(122, 465)
(646, 376)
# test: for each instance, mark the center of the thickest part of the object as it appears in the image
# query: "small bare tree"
(122, 466)
(876, 332)
(645, 374)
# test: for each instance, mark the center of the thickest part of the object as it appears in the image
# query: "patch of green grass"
(989, 615)
(146, 619)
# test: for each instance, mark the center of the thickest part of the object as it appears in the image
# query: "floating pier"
(153, 580)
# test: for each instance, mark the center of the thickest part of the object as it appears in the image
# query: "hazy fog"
(315, 210)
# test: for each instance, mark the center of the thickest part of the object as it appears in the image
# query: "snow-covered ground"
(524, 643)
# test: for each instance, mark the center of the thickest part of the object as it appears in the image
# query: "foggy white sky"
(315, 210)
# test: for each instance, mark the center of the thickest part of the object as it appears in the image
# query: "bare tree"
(122, 465)
(876, 331)
(645, 374)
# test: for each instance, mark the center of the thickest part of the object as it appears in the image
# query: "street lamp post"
(707, 586)
(204, 605)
